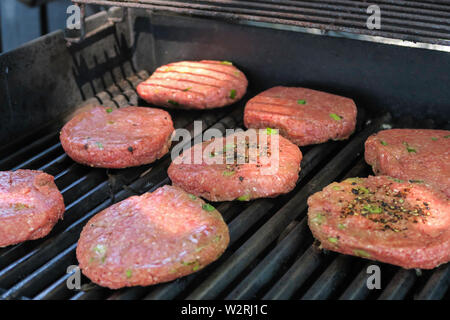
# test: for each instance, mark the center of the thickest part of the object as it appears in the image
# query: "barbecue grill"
(398, 76)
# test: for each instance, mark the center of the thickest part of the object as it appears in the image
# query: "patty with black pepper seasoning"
(118, 138)
(153, 238)
(412, 154)
(244, 166)
(385, 219)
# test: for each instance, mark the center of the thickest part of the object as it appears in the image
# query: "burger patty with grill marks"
(118, 138)
(412, 154)
(237, 168)
(202, 84)
(385, 219)
(303, 116)
(30, 205)
(153, 238)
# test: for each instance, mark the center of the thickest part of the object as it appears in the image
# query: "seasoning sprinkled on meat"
(397, 222)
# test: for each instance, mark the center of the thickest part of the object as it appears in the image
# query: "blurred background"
(25, 20)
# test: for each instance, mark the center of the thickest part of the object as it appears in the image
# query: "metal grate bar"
(399, 285)
(330, 280)
(437, 285)
(358, 289)
(413, 21)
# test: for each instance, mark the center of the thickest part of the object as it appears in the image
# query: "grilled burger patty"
(380, 218)
(412, 154)
(202, 84)
(234, 176)
(30, 205)
(153, 238)
(303, 116)
(118, 138)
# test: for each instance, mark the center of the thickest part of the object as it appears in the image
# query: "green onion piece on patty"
(187, 89)
(434, 138)
(227, 63)
(228, 173)
(244, 198)
(334, 116)
(301, 101)
(174, 103)
(233, 93)
(318, 219)
(208, 207)
(372, 208)
(333, 240)
(361, 253)
(411, 150)
(129, 273)
(109, 110)
(271, 131)
(192, 196)
(384, 143)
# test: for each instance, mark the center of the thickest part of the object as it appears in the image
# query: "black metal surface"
(421, 21)
(271, 253)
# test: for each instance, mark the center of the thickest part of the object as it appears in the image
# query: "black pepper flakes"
(130, 149)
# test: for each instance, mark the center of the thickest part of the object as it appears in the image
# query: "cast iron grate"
(417, 21)
(271, 253)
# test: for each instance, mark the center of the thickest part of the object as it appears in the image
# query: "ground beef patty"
(117, 138)
(30, 205)
(412, 154)
(380, 218)
(226, 171)
(303, 116)
(194, 85)
(153, 238)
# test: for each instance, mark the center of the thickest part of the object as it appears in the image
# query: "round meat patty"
(412, 154)
(194, 85)
(238, 168)
(118, 138)
(303, 116)
(30, 205)
(153, 238)
(383, 218)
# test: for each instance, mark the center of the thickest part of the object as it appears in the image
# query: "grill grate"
(271, 253)
(417, 21)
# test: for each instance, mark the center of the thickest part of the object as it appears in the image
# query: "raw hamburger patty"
(153, 238)
(118, 138)
(412, 154)
(30, 205)
(194, 85)
(379, 218)
(303, 116)
(235, 176)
